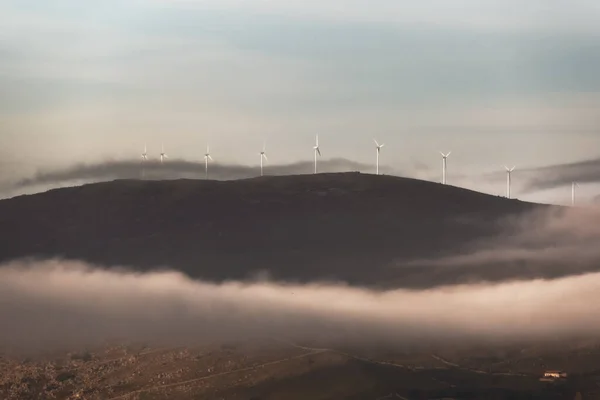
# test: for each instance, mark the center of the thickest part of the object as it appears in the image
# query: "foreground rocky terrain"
(271, 369)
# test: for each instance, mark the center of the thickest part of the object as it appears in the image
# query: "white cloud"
(70, 303)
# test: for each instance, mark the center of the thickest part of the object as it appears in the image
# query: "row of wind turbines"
(207, 157)
(378, 147)
(263, 156)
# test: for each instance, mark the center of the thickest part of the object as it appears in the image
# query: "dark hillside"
(347, 226)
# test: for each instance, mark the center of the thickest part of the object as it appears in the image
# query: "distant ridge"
(352, 227)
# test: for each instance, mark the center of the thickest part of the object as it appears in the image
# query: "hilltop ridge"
(351, 227)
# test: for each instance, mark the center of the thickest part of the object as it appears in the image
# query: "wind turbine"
(508, 180)
(163, 155)
(444, 165)
(379, 146)
(144, 159)
(573, 186)
(317, 151)
(263, 157)
(206, 158)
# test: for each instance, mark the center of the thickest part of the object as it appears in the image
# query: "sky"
(497, 82)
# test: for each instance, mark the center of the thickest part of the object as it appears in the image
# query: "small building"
(550, 376)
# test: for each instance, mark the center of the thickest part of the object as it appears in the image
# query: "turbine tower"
(444, 165)
(317, 151)
(207, 157)
(573, 186)
(508, 180)
(263, 157)
(379, 146)
(144, 159)
(163, 155)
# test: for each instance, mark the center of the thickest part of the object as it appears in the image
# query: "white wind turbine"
(317, 151)
(379, 146)
(444, 165)
(508, 180)
(144, 159)
(573, 186)
(207, 157)
(263, 157)
(163, 155)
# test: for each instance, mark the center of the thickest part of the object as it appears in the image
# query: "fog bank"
(176, 169)
(59, 303)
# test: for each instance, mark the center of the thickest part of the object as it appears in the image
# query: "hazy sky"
(495, 81)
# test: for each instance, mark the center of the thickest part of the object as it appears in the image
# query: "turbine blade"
(317, 140)
(376, 144)
(265, 156)
(318, 151)
(210, 158)
(383, 144)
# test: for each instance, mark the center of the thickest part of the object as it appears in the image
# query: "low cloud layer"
(56, 303)
(175, 169)
(553, 176)
(549, 242)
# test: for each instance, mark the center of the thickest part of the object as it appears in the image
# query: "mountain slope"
(347, 226)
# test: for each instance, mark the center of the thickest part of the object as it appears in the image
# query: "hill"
(343, 226)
